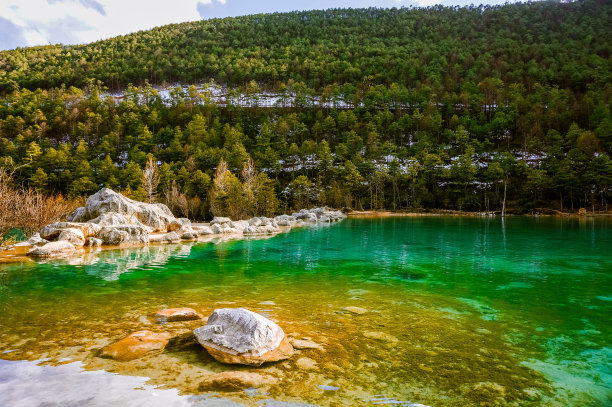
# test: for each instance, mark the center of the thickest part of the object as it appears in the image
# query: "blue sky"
(40, 22)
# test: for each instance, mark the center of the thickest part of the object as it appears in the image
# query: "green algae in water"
(461, 311)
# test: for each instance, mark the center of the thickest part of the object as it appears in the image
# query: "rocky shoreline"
(109, 220)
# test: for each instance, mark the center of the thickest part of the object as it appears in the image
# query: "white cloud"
(52, 21)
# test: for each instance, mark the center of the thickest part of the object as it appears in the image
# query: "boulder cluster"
(231, 336)
(109, 218)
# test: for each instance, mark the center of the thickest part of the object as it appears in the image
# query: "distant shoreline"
(451, 213)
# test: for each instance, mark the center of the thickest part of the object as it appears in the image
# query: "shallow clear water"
(461, 311)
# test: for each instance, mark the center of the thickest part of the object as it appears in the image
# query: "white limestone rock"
(94, 242)
(111, 219)
(72, 235)
(155, 216)
(123, 234)
(52, 249)
(285, 220)
(239, 225)
(224, 229)
(170, 237)
(220, 220)
(305, 216)
(179, 224)
(203, 230)
(240, 331)
(78, 215)
(53, 230)
(261, 230)
(189, 235)
(36, 240)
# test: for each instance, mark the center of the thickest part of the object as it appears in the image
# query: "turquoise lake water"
(461, 311)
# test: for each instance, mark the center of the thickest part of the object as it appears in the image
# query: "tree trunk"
(504, 203)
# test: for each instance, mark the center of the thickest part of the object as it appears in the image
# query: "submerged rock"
(306, 363)
(235, 381)
(52, 249)
(355, 310)
(135, 345)
(305, 344)
(176, 314)
(240, 336)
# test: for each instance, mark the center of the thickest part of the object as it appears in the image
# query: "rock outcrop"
(112, 219)
(135, 345)
(240, 336)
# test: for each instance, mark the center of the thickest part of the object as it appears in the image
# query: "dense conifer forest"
(477, 109)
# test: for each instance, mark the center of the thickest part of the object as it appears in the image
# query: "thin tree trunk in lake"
(504, 203)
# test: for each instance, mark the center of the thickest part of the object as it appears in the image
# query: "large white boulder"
(237, 335)
(155, 216)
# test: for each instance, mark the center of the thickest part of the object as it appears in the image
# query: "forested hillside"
(437, 108)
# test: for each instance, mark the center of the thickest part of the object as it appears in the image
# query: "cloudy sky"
(40, 22)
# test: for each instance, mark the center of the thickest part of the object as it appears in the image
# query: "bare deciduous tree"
(150, 180)
(177, 201)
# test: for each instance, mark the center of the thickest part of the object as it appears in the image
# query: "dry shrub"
(177, 201)
(28, 209)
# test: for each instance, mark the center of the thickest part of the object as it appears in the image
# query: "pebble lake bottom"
(460, 312)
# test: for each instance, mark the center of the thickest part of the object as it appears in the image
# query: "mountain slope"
(566, 44)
